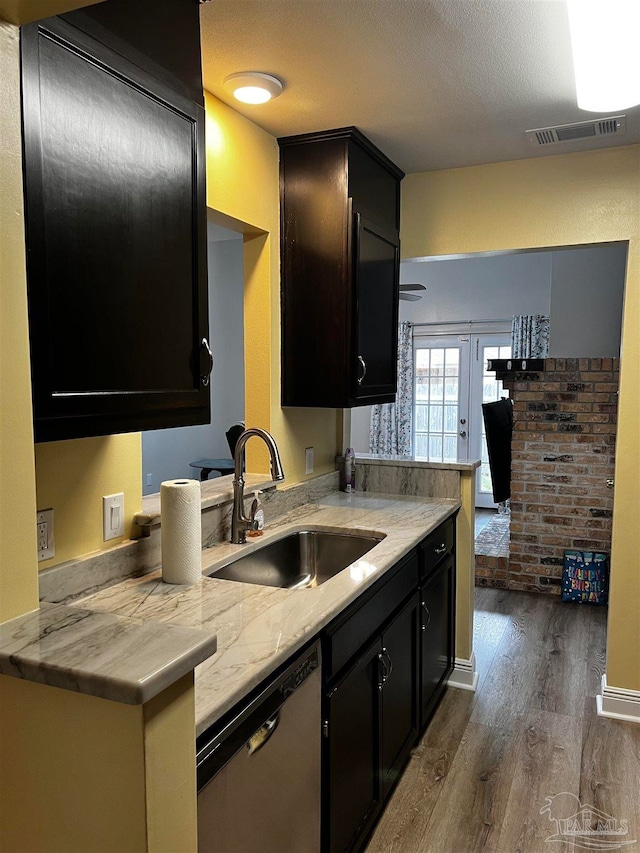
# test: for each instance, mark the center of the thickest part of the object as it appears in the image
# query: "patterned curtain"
(391, 423)
(530, 336)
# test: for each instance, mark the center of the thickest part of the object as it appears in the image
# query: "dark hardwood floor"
(480, 778)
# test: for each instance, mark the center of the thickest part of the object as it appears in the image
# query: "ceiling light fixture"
(604, 40)
(253, 87)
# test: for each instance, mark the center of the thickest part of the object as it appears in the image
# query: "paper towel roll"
(180, 531)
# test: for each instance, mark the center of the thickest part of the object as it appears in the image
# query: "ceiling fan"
(407, 296)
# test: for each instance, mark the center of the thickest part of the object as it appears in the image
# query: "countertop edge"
(417, 462)
(40, 647)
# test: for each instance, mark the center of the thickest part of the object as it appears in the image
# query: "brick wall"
(562, 454)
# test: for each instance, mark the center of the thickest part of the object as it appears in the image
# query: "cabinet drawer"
(357, 625)
(436, 547)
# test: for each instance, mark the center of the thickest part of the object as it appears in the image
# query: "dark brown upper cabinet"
(114, 176)
(340, 257)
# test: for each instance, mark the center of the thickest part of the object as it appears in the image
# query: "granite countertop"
(101, 654)
(418, 462)
(259, 627)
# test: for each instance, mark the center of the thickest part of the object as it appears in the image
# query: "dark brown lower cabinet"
(386, 661)
(437, 601)
(371, 725)
(352, 766)
(399, 692)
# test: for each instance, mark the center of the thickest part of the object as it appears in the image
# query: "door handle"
(463, 434)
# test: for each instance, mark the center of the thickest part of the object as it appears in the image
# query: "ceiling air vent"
(579, 130)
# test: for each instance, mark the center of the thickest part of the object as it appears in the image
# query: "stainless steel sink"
(301, 560)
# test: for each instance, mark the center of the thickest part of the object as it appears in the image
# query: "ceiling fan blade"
(409, 297)
(407, 287)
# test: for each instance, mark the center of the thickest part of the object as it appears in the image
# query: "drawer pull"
(426, 610)
(441, 549)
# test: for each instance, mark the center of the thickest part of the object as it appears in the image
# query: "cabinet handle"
(364, 369)
(388, 657)
(385, 672)
(441, 549)
(426, 610)
(205, 377)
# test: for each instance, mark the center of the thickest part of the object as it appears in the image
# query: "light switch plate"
(112, 516)
(308, 460)
(46, 544)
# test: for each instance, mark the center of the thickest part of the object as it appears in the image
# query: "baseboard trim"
(618, 703)
(464, 675)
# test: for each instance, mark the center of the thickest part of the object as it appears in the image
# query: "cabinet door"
(352, 789)
(376, 271)
(116, 240)
(399, 692)
(437, 625)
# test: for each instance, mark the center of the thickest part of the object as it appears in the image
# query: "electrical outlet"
(112, 516)
(308, 460)
(46, 545)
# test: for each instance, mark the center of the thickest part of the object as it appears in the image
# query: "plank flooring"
(496, 769)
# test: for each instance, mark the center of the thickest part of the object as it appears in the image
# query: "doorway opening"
(461, 311)
(565, 426)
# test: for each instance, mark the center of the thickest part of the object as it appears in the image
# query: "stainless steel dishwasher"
(259, 774)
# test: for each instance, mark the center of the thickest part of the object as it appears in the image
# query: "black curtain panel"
(498, 424)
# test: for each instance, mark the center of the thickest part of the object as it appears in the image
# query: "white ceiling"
(434, 83)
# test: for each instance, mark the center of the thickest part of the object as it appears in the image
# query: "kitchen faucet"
(239, 522)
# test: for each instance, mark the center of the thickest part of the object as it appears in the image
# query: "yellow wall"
(90, 775)
(72, 477)
(554, 201)
(18, 576)
(23, 11)
(243, 183)
(465, 565)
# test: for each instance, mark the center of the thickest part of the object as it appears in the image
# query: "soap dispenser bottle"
(257, 514)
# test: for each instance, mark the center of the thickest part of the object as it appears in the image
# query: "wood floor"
(481, 774)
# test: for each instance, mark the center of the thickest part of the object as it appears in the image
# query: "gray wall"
(581, 290)
(166, 453)
(478, 288)
(586, 302)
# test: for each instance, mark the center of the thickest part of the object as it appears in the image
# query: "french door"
(441, 397)
(451, 383)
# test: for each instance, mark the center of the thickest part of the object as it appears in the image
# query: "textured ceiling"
(435, 83)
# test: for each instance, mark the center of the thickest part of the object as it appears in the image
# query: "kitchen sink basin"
(301, 560)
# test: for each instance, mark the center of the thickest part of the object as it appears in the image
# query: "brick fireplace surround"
(562, 455)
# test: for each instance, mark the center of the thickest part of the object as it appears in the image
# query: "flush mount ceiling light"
(604, 41)
(253, 87)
